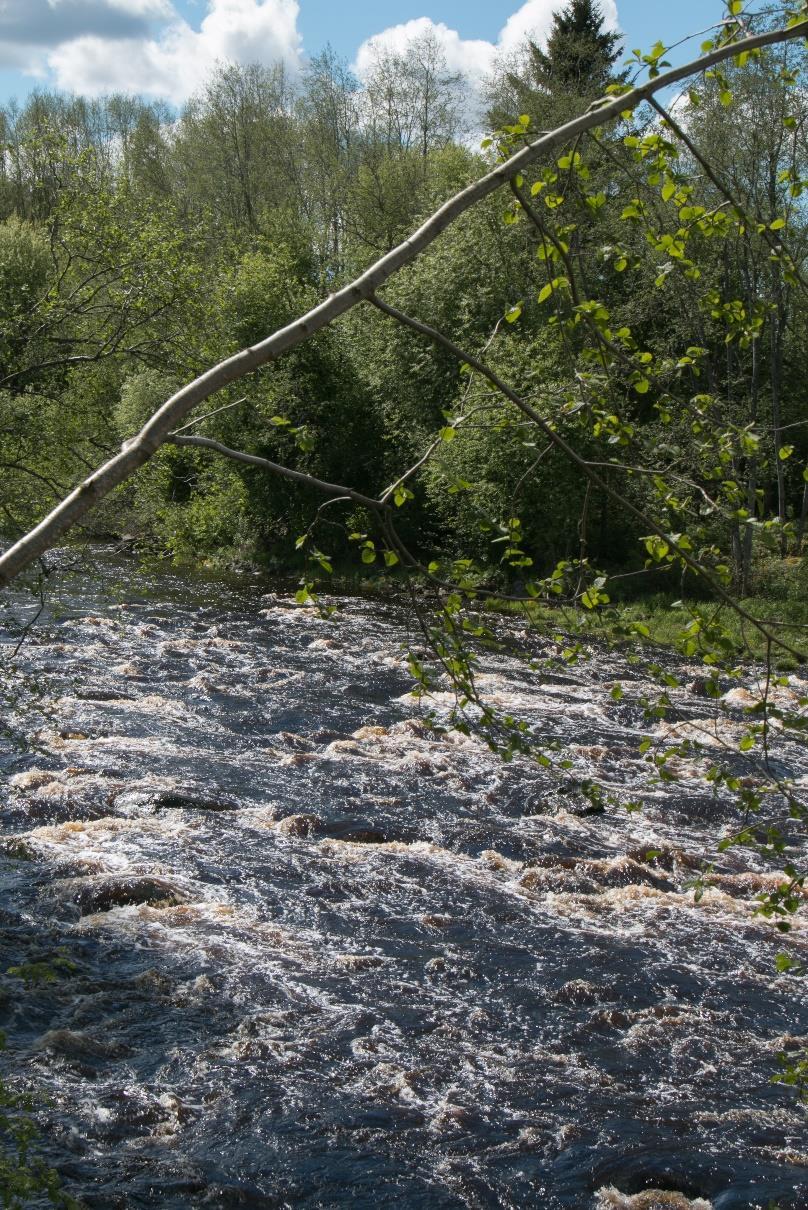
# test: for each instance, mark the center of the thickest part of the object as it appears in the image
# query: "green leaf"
(641, 386)
(785, 963)
(390, 558)
(448, 433)
(514, 313)
(545, 293)
(777, 225)
(668, 190)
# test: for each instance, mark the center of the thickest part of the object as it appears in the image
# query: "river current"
(313, 952)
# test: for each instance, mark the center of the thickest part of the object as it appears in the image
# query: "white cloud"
(147, 47)
(474, 57)
(29, 28)
(140, 8)
(535, 18)
(176, 62)
(135, 8)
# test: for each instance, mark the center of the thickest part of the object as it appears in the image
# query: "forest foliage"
(138, 247)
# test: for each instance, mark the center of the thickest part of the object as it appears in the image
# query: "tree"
(235, 145)
(411, 107)
(552, 84)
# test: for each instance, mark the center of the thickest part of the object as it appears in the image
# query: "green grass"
(725, 635)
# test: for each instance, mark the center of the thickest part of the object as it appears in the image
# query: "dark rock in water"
(71, 1044)
(326, 735)
(649, 1199)
(229, 1197)
(101, 893)
(175, 799)
(296, 743)
(179, 800)
(665, 858)
(581, 991)
(301, 825)
(16, 848)
(608, 1018)
(358, 831)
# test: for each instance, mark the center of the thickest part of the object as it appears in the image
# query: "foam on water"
(325, 954)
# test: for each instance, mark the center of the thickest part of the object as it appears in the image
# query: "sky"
(166, 48)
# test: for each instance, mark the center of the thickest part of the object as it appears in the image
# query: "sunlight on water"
(327, 955)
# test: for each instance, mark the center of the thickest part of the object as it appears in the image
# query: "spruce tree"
(580, 54)
(577, 65)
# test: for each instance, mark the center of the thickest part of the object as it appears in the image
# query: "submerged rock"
(301, 825)
(173, 799)
(33, 779)
(357, 831)
(610, 1198)
(102, 893)
(72, 1044)
(581, 991)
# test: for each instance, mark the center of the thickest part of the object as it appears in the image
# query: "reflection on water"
(323, 955)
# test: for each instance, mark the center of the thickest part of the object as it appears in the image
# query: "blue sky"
(165, 47)
(347, 24)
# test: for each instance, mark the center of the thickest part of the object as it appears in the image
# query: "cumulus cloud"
(147, 47)
(29, 27)
(535, 18)
(472, 56)
(174, 61)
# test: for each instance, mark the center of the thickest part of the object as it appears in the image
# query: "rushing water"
(322, 955)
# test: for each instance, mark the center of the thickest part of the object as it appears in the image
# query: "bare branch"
(320, 485)
(198, 419)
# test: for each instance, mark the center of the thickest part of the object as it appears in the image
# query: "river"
(312, 952)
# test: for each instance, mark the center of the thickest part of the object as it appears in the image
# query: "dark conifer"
(577, 64)
(580, 54)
